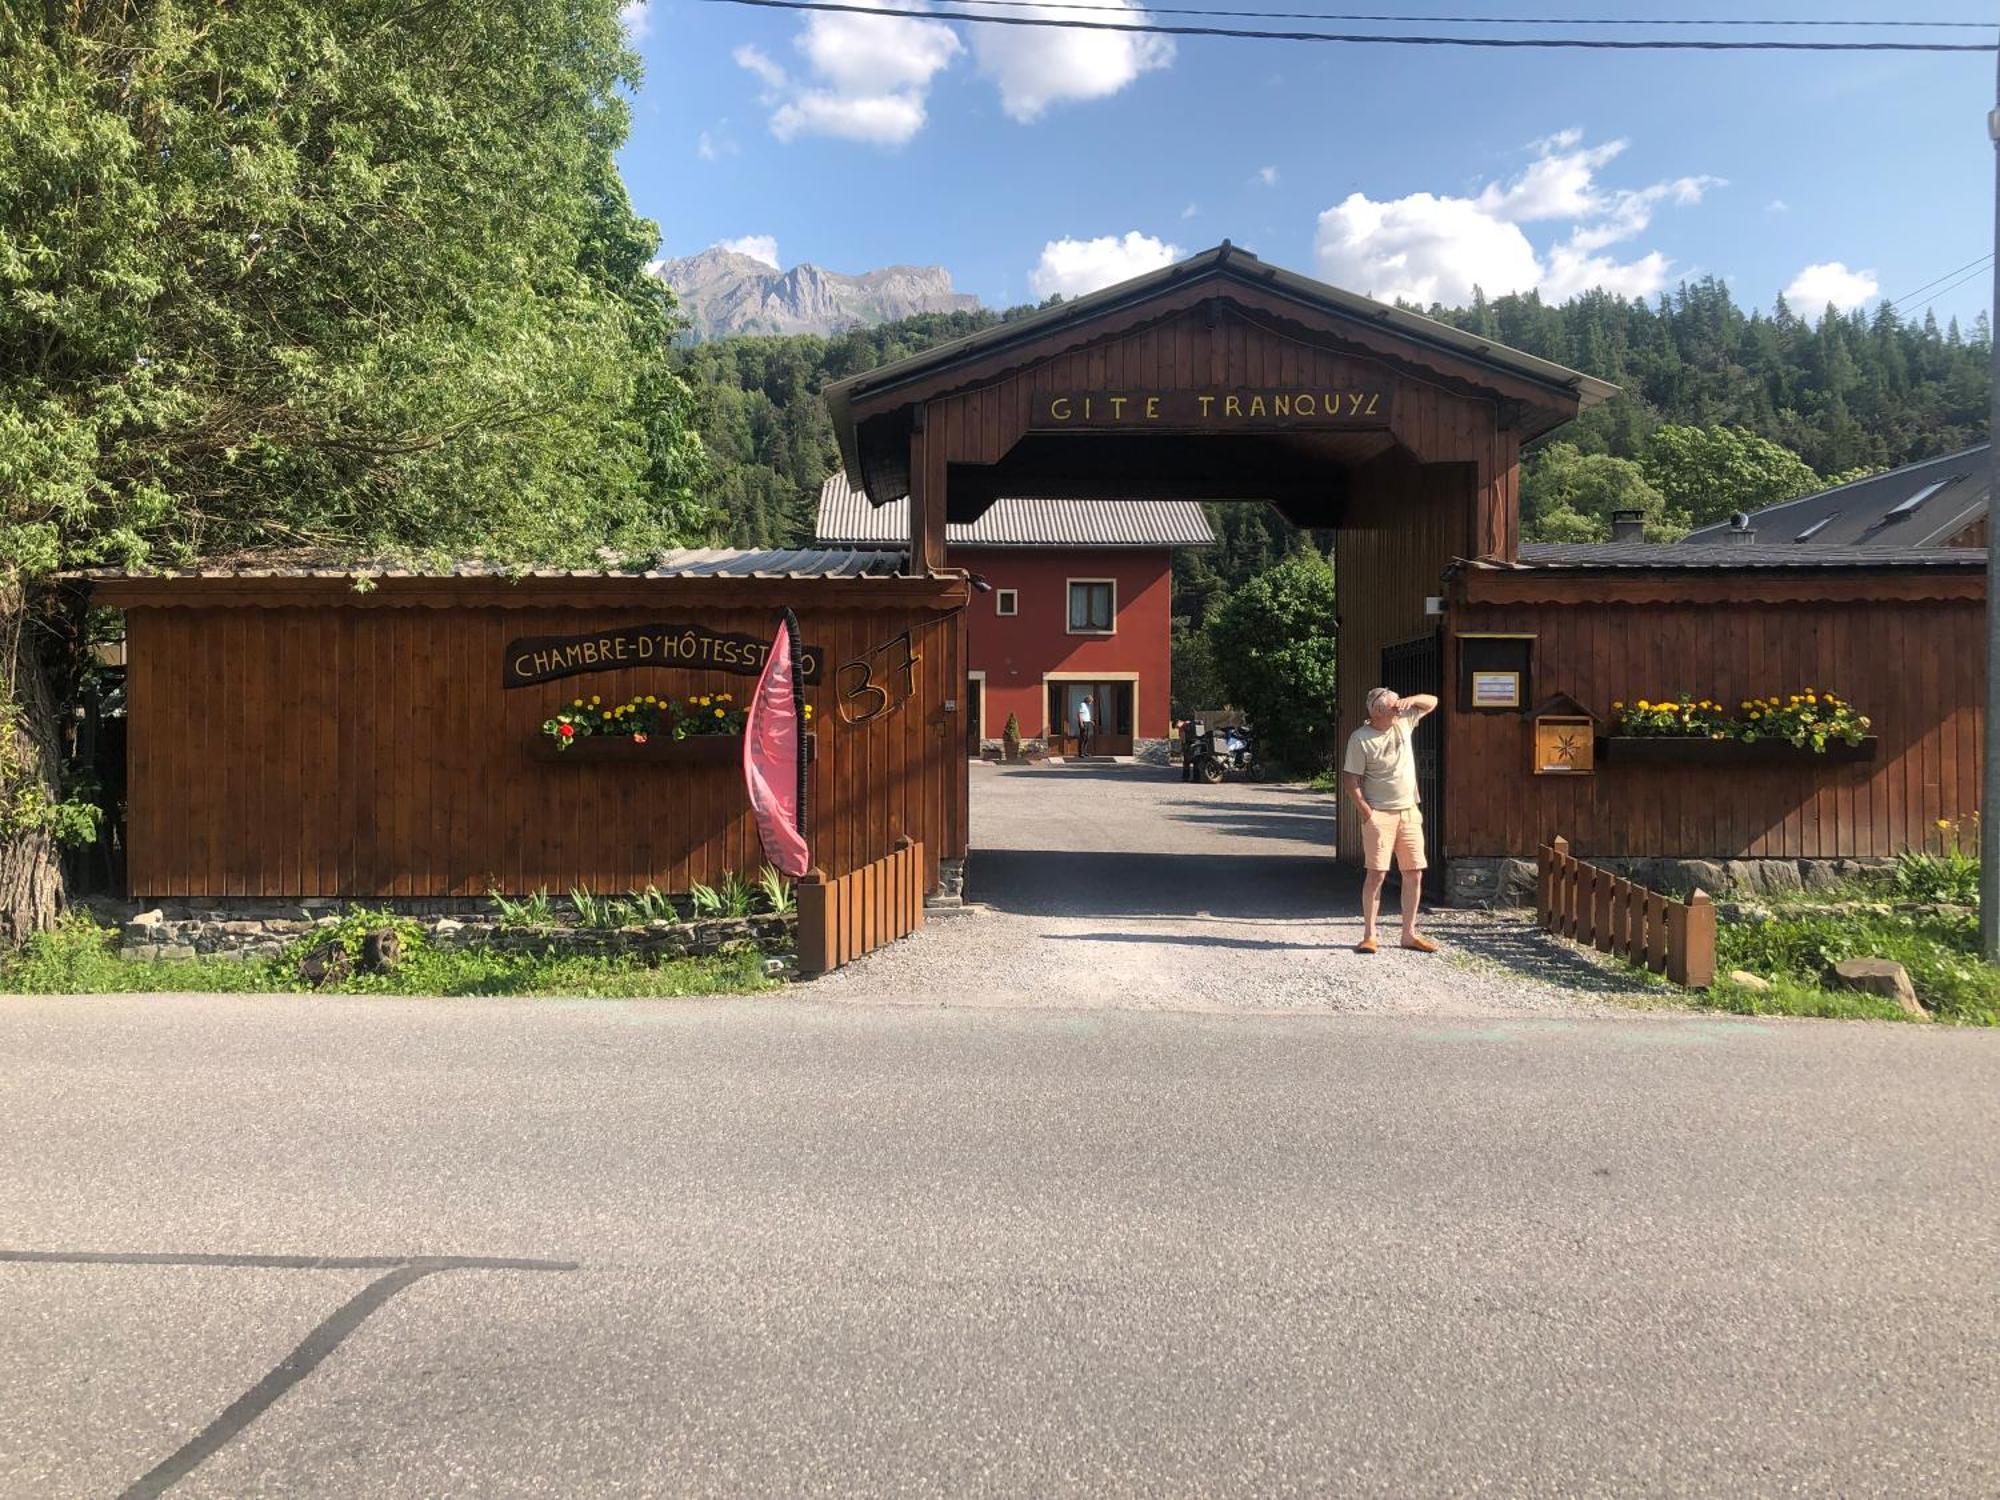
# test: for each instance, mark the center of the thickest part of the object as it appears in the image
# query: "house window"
(1093, 606)
(1006, 601)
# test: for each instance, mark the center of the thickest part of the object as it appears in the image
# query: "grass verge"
(80, 958)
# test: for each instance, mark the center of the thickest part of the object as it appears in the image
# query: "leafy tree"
(1568, 495)
(1197, 682)
(1273, 641)
(1706, 473)
(309, 274)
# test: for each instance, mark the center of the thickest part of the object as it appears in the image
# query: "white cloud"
(870, 76)
(1830, 284)
(762, 247)
(753, 58)
(1266, 176)
(1777, 206)
(1036, 67)
(633, 16)
(1074, 267)
(1427, 248)
(714, 145)
(1190, 211)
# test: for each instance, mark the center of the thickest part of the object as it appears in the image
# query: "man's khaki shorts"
(1400, 833)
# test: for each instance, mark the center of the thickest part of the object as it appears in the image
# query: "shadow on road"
(1113, 883)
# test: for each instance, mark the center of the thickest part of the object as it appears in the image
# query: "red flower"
(567, 731)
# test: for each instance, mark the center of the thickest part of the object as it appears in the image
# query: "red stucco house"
(1077, 601)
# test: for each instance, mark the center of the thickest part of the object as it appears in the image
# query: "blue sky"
(1026, 161)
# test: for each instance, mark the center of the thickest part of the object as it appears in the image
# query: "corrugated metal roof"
(1739, 555)
(688, 562)
(1950, 493)
(846, 518)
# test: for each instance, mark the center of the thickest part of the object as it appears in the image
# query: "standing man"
(1380, 774)
(1083, 726)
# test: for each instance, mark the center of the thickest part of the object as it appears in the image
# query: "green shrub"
(530, 911)
(1951, 877)
(1274, 646)
(350, 932)
(776, 891)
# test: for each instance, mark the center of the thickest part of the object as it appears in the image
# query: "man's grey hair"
(1378, 696)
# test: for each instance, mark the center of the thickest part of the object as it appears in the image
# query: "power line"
(1976, 271)
(1970, 265)
(1601, 44)
(1321, 15)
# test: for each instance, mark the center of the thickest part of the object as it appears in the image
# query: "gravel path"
(1121, 886)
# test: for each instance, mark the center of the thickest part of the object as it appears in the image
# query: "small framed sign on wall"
(1493, 672)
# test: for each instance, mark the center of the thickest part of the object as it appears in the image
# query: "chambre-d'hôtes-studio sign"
(692, 648)
(1285, 408)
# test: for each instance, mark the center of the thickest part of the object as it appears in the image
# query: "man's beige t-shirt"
(1386, 764)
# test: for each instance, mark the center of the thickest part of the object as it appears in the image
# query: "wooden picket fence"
(1608, 912)
(856, 913)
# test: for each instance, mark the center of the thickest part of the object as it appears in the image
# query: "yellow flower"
(726, 698)
(1944, 822)
(1811, 699)
(720, 714)
(1756, 714)
(576, 703)
(1643, 704)
(595, 700)
(1615, 703)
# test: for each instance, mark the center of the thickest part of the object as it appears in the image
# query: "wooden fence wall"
(1613, 915)
(1913, 665)
(843, 917)
(371, 751)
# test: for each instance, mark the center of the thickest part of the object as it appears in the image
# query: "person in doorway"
(1379, 774)
(1084, 725)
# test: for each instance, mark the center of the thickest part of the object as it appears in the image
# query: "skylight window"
(1817, 527)
(1906, 507)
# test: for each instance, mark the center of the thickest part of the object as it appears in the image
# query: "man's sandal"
(1366, 945)
(1420, 945)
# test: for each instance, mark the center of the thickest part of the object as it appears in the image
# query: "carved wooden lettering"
(1274, 410)
(545, 658)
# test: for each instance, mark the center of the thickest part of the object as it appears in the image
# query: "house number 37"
(878, 683)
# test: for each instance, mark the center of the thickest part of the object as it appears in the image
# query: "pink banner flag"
(774, 754)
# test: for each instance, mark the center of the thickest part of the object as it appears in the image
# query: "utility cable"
(1968, 266)
(1603, 44)
(1321, 15)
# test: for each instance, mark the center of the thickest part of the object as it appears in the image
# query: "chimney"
(1740, 533)
(1628, 526)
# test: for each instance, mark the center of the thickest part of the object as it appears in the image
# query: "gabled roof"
(846, 519)
(1597, 556)
(1919, 505)
(869, 388)
(686, 562)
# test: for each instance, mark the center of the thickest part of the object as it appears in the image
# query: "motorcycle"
(1210, 754)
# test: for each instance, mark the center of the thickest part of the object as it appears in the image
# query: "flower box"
(658, 750)
(1666, 749)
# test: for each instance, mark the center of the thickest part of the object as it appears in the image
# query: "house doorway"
(975, 713)
(1111, 707)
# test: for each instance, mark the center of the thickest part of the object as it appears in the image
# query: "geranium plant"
(1804, 719)
(1811, 720)
(1681, 718)
(640, 718)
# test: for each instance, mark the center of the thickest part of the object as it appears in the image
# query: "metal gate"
(1418, 667)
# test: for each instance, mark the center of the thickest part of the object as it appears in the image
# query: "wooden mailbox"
(1564, 738)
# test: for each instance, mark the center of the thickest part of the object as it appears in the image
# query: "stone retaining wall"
(1511, 882)
(248, 927)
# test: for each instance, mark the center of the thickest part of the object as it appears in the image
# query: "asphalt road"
(771, 1247)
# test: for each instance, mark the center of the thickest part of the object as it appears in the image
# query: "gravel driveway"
(1121, 886)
